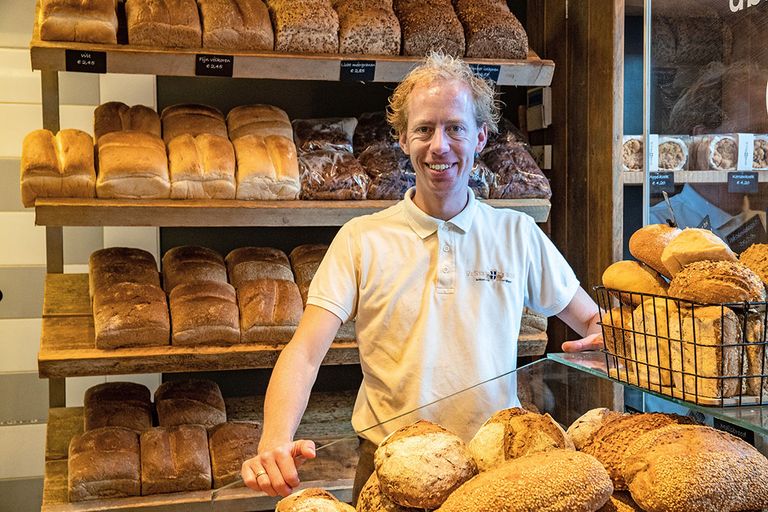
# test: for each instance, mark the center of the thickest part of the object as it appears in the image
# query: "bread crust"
(231, 444)
(756, 259)
(691, 245)
(194, 401)
(163, 23)
(201, 167)
(717, 282)
(117, 404)
(130, 315)
(635, 279)
(204, 313)
(647, 245)
(236, 25)
(175, 459)
(85, 21)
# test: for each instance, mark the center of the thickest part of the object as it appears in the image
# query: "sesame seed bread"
(588, 423)
(371, 499)
(648, 243)
(312, 499)
(756, 259)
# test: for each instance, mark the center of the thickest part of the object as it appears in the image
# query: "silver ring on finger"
(260, 473)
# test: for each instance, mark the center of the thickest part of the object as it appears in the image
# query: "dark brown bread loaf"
(372, 128)
(127, 271)
(429, 25)
(270, 310)
(131, 315)
(306, 26)
(304, 260)
(175, 459)
(115, 116)
(117, 404)
(390, 171)
(491, 30)
(249, 263)
(182, 402)
(515, 173)
(367, 27)
(332, 175)
(204, 313)
(190, 264)
(231, 444)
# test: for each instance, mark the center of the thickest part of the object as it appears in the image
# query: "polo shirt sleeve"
(551, 283)
(335, 285)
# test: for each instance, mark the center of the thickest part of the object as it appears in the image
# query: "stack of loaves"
(688, 333)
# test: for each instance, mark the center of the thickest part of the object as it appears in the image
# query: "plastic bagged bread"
(329, 174)
(324, 134)
(389, 169)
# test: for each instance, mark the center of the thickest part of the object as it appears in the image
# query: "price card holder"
(746, 151)
(486, 71)
(357, 70)
(214, 65)
(751, 232)
(85, 61)
(742, 182)
(653, 153)
(740, 432)
(662, 182)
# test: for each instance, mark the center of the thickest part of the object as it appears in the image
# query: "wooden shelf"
(131, 59)
(218, 213)
(637, 177)
(327, 418)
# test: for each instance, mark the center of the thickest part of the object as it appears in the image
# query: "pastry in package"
(717, 153)
(632, 153)
(673, 154)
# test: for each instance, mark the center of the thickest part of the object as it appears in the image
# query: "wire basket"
(706, 354)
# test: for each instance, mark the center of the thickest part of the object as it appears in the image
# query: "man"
(437, 284)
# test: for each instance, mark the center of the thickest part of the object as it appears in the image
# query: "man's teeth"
(438, 167)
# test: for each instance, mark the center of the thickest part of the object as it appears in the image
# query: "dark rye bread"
(716, 282)
(175, 459)
(491, 30)
(204, 313)
(231, 444)
(270, 310)
(181, 402)
(117, 404)
(429, 25)
(190, 264)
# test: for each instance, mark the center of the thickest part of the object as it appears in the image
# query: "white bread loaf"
(647, 245)
(132, 165)
(191, 401)
(192, 119)
(201, 167)
(716, 282)
(57, 166)
(236, 25)
(115, 116)
(312, 499)
(635, 280)
(192, 263)
(249, 263)
(267, 168)
(259, 119)
(204, 313)
(130, 315)
(84, 21)
(163, 23)
(270, 310)
(231, 444)
(175, 459)
(694, 244)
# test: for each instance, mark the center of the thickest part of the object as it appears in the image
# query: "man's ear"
(482, 138)
(404, 143)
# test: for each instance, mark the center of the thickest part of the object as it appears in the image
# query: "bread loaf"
(588, 423)
(191, 264)
(756, 355)
(304, 261)
(553, 481)
(620, 502)
(515, 173)
(715, 282)
(189, 402)
(691, 245)
(175, 459)
(261, 120)
(236, 25)
(332, 175)
(270, 310)
(532, 322)
(132, 165)
(57, 166)
(104, 463)
(367, 27)
(389, 169)
(201, 167)
(267, 168)
(118, 265)
(371, 499)
(193, 120)
(117, 404)
(617, 326)
(231, 444)
(421, 464)
(755, 258)
(204, 313)
(491, 30)
(84, 21)
(310, 26)
(429, 26)
(332, 133)
(111, 255)
(634, 280)
(656, 325)
(130, 315)
(312, 499)
(163, 23)
(115, 116)
(647, 245)
(680, 468)
(249, 263)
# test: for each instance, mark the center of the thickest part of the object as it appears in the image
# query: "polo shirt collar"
(424, 225)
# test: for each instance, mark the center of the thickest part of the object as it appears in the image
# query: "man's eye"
(422, 129)
(456, 129)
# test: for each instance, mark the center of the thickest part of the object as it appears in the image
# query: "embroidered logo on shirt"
(493, 276)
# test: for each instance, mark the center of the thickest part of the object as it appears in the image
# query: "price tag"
(662, 182)
(742, 182)
(85, 61)
(214, 65)
(746, 151)
(357, 70)
(653, 154)
(486, 71)
(751, 232)
(740, 432)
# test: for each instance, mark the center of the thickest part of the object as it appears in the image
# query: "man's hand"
(591, 342)
(274, 470)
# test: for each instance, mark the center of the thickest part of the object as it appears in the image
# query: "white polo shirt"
(438, 307)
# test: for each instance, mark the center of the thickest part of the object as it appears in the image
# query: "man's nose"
(439, 142)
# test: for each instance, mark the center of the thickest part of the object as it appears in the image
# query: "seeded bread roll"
(621, 502)
(175, 459)
(184, 402)
(130, 315)
(249, 263)
(367, 27)
(204, 313)
(115, 116)
(270, 310)
(193, 120)
(231, 444)
(236, 25)
(84, 21)
(132, 165)
(309, 26)
(421, 464)
(163, 23)
(104, 463)
(491, 30)
(117, 404)
(635, 280)
(647, 245)
(261, 120)
(429, 26)
(312, 499)
(694, 467)
(756, 259)
(191, 263)
(57, 166)
(553, 481)
(588, 423)
(694, 244)
(716, 282)
(371, 499)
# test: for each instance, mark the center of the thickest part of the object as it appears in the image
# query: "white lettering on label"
(738, 5)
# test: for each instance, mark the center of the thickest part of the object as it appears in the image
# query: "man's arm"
(582, 315)
(273, 470)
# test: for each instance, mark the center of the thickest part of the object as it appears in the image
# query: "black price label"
(662, 182)
(705, 223)
(740, 432)
(85, 61)
(742, 182)
(214, 65)
(486, 71)
(357, 70)
(751, 232)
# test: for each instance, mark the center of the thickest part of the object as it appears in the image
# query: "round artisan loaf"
(371, 499)
(420, 464)
(648, 243)
(610, 441)
(312, 499)
(634, 278)
(514, 432)
(588, 423)
(756, 259)
(694, 244)
(680, 468)
(621, 502)
(717, 282)
(552, 481)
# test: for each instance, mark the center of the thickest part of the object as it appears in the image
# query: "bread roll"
(185, 402)
(755, 258)
(716, 282)
(117, 404)
(231, 444)
(491, 30)
(130, 315)
(367, 27)
(163, 23)
(635, 280)
(691, 245)
(428, 26)
(656, 326)
(186, 264)
(204, 313)
(57, 166)
(249, 263)
(104, 463)
(115, 116)
(270, 310)
(312, 499)
(267, 168)
(193, 120)
(588, 423)
(371, 499)
(132, 165)
(202, 167)
(261, 120)
(421, 464)
(236, 25)
(311, 26)
(694, 467)
(647, 245)
(553, 481)
(175, 459)
(84, 21)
